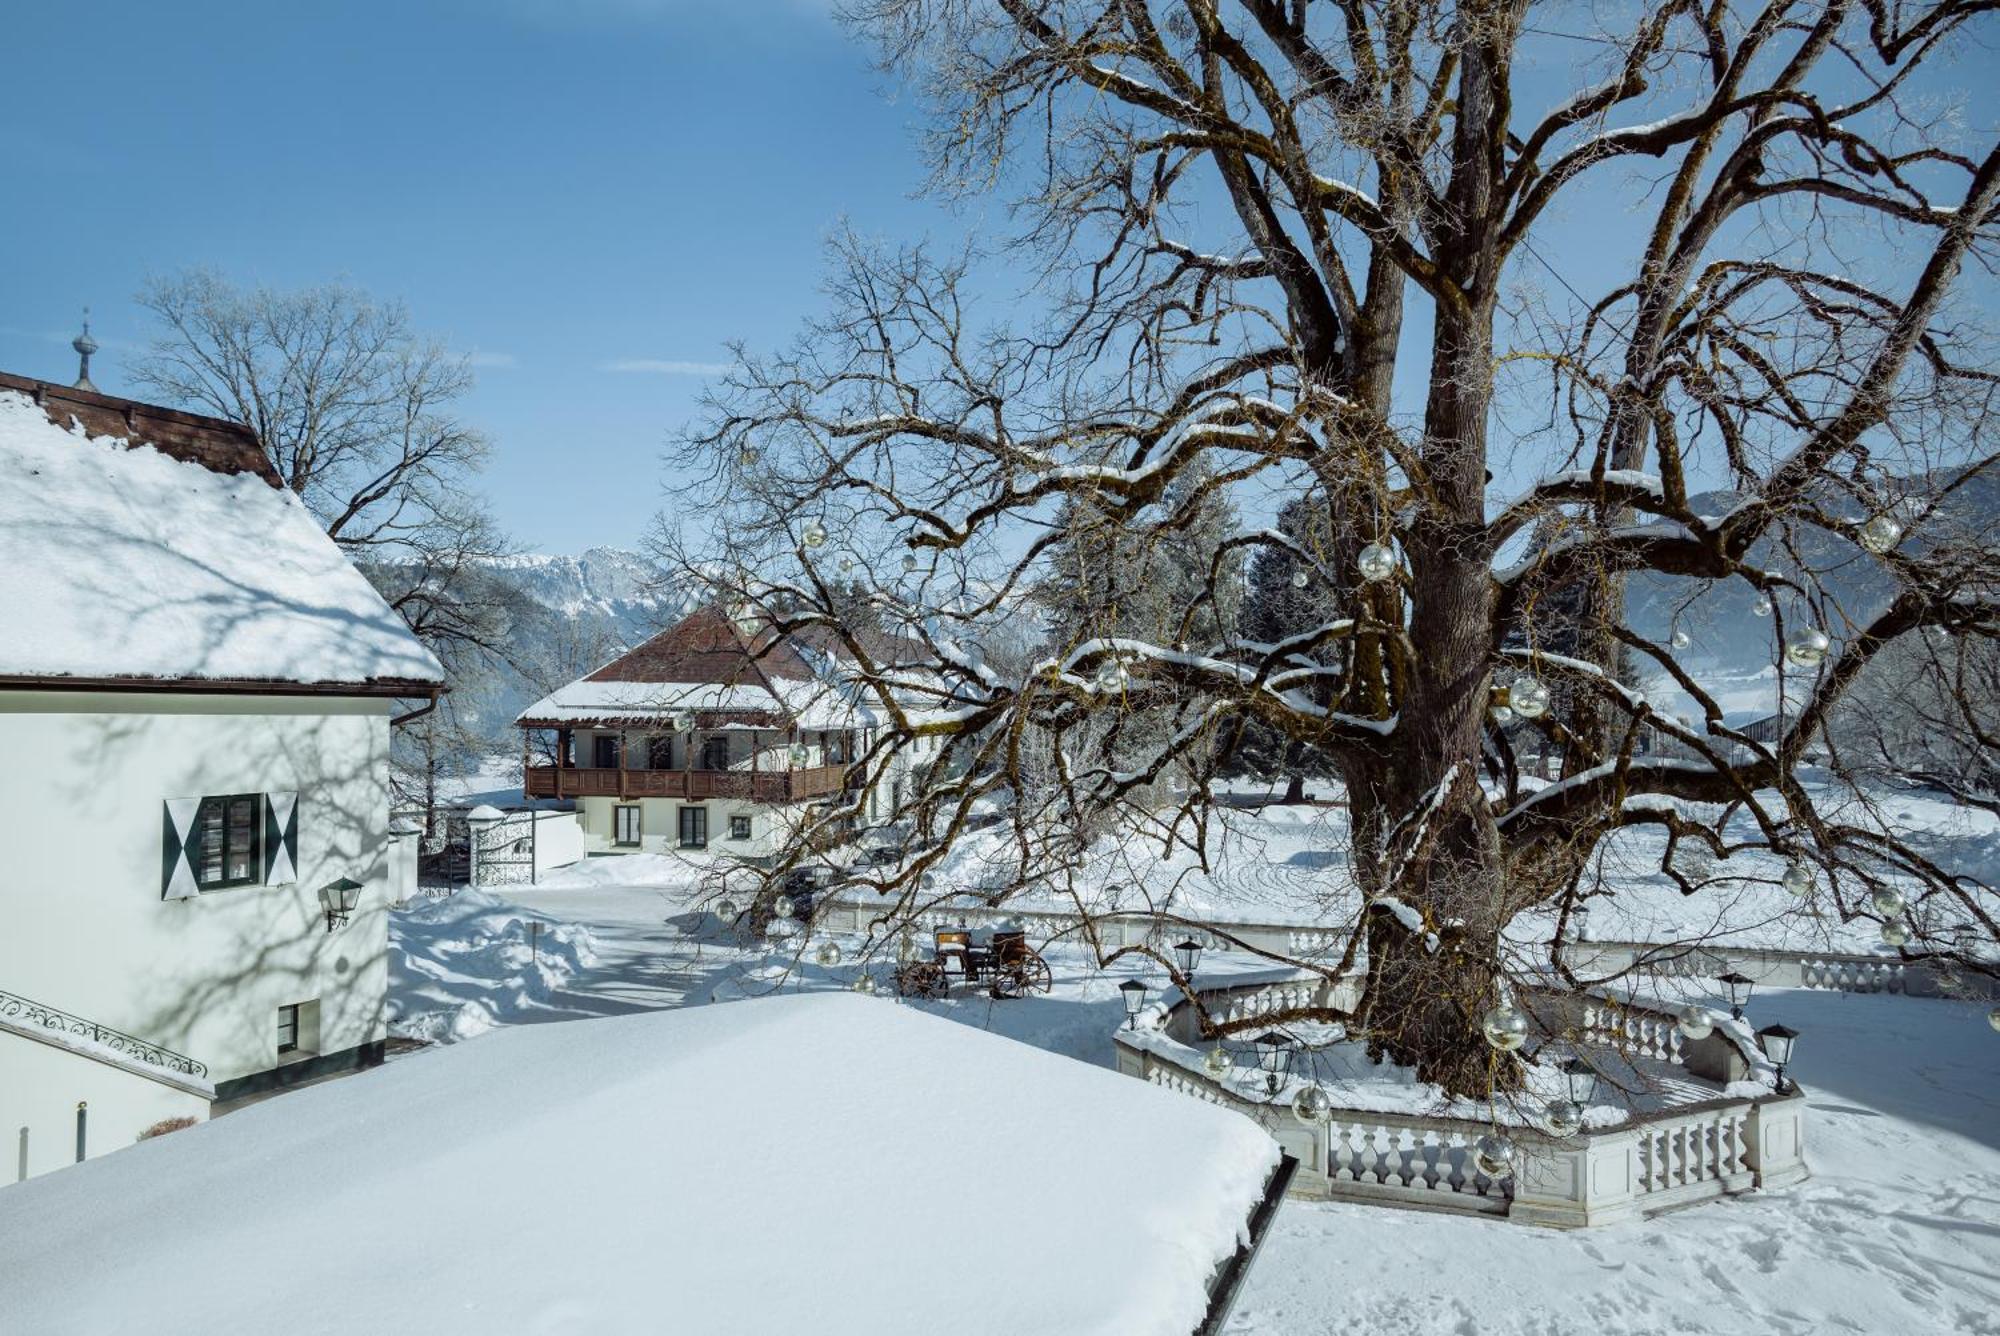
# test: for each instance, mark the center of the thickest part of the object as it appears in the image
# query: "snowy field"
(1898, 1231)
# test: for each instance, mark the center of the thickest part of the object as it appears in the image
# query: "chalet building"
(196, 696)
(707, 739)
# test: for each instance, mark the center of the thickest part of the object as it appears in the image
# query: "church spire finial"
(85, 346)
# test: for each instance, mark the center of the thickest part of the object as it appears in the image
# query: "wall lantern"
(1274, 1055)
(1778, 1042)
(1134, 993)
(1739, 987)
(1187, 955)
(338, 900)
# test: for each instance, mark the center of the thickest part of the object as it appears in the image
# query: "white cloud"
(655, 366)
(491, 359)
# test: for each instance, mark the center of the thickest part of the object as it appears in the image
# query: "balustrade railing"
(27, 1012)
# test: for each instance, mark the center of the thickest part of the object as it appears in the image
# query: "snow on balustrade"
(1633, 1031)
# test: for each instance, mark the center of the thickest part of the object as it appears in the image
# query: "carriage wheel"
(921, 978)
(1036, 976)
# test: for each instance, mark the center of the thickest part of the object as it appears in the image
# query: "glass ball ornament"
(1113, 676)
(783, 907)
(1888, 901)
(1494, 1155)
(1529, 698)
(1505, 1028)
(827, 956)
(1300, 579)
(1217, 1062)
(1694, 1021)
(1503, 715)
(747, 456)
(1762, 607)
(725, 909)
(1562, 1118)
(1376, 563)
(813, 535)
(1311, 1106)
(1798, 878)
(1895, 932)
(909, 563)
(845, 565)
(1993, 1018)
(1880, 534)
(864, 984)
(799, 754)
(1679, 640)
(1806, 647)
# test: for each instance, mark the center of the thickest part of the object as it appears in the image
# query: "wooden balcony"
(771, 786)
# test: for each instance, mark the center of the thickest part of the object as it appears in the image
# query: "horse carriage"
(1007, 965)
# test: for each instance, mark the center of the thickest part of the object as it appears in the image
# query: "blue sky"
(633, 181)
(559, 188)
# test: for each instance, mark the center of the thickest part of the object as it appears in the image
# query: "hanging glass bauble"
(1993, 1018)
(1494, 1155)
(725, 909)
(1505, 1028)
(909, 563)
(1880, 534)
(1762, 607)
(747, 456)
(798, 753)
(1311, 1106)
(845, 565)
(1376, 563)
(1695, 1022)
(1503, 715)
(1562, 1118)
(1798, 878)
(828, 955)
(1895, 932)
(783, 907)
(1113, 676)
(1300, 579)
(864, 983)
(1806, 646)
(1217, 1061)
(813, 535)
(1888, 901)
(1529, 698)
(1679, 640)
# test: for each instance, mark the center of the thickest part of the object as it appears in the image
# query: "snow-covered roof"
(126, 562)
(804, 704)
(820, 1163)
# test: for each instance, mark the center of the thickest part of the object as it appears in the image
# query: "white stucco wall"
(80, 870)
(41, 1085)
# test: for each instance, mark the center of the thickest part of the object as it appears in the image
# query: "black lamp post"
(1135, 998)
(1740, 987)
(1274, 1055)
(1187, 955)
(1582, 1079)
(339, 899)
(1778, 1042)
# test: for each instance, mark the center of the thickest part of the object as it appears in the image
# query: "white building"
(196, 693)
(710, 739)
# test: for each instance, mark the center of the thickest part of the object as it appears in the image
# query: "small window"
(715, 753)
(660, 751)
(604, 751)
(739, 827)
(228, 844)
(625, 825)
(288, 1029)
(694, 827)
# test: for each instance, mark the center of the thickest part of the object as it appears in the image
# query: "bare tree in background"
(1245, 217)
(361, 417)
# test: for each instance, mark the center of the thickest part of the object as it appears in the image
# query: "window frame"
(739, 828)
(197, 859)
(296, 1010)
(618, 811)
(696, 815)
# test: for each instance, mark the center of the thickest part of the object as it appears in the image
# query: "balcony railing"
(772, 786)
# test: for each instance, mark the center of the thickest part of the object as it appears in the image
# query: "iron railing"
(27, 1011)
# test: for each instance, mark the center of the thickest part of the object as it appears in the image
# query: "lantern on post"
(1778, 1042)
(1739, 987)
(1274, 1056)
(1134, 994)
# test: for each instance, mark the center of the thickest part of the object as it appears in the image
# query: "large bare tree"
(1311, 243)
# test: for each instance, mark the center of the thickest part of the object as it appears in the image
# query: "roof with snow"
(820, 1163)
(711, 664)
(150, 547)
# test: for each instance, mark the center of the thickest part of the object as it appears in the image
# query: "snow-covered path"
(1896, 1233)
